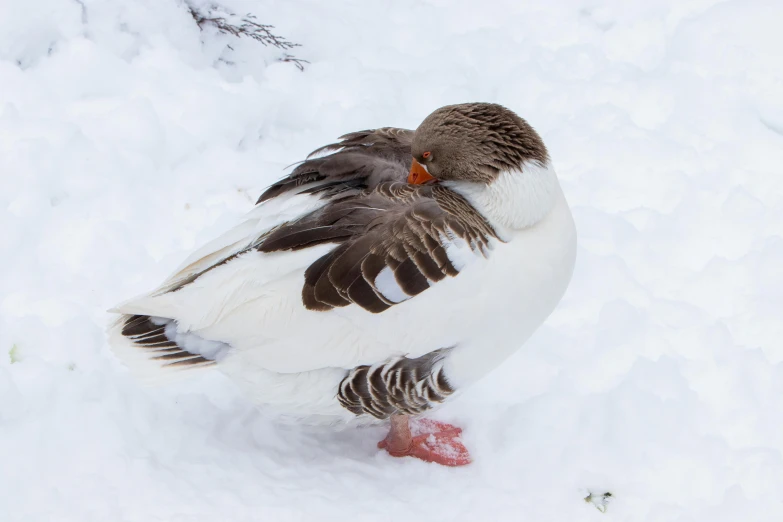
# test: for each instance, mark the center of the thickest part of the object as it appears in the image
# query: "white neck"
(516, 199)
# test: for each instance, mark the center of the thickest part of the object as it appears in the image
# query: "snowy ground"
(126, 139)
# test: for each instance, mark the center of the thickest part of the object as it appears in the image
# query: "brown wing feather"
(397, 226)
(360, 160)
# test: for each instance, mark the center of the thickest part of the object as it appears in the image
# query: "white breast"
(522, 283)
(517, 199)
(527, 274)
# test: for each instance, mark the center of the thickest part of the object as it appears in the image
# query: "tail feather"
(155, 351)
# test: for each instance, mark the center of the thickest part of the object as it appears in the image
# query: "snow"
(127, 139)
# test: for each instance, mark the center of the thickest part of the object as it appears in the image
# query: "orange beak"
(418, 174)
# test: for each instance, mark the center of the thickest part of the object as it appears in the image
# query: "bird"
(385, 274)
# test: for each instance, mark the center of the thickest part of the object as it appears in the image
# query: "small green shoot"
(600, 501)
(13, 354)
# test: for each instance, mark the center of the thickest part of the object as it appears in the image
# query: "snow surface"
(127, 139)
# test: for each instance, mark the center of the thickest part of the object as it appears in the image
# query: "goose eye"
(426, 155)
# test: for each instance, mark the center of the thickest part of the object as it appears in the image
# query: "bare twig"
(293, 59)
(247, 27)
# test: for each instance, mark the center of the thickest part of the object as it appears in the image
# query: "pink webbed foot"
(430, 441)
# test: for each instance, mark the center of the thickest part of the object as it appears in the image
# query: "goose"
(386, 273)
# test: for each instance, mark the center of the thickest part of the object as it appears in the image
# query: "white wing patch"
(458, 251)
(388, 286)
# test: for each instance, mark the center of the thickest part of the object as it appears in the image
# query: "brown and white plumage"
(396, 227)
(400, 385)
(350, 292)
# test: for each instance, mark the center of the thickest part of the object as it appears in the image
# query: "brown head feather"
(475, 141)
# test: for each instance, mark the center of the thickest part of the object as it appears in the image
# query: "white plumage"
(247, 313)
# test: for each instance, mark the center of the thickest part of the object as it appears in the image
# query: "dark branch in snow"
(248, 27)
(293, 59)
